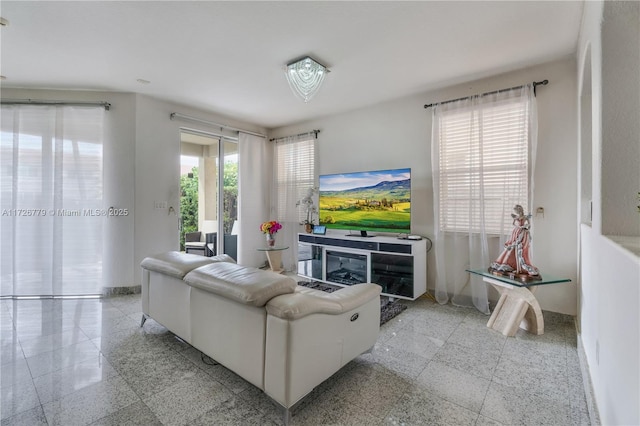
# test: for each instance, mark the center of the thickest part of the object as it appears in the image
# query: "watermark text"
(65, 212)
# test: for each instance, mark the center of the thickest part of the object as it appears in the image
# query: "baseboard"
(592, 406)
(121, 291)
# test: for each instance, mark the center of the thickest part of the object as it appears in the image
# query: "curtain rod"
(535, 83)
(208, 134)
(174, 115)
(106, 105)
(314, 131)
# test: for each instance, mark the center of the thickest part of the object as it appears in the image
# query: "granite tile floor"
(88, 362)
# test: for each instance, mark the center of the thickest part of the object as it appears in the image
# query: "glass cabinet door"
(393, 273)
(310, 261)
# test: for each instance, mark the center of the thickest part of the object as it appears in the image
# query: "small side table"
(517, 306)
(274, 256)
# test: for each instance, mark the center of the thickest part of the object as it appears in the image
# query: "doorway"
(208, 194)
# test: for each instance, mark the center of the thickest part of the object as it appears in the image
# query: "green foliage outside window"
(230, 177)
(188, 204)
(189, 200)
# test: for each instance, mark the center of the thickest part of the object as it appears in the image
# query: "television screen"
(367, 201)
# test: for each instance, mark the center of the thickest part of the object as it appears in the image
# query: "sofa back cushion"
(177, 264)
(247, 285)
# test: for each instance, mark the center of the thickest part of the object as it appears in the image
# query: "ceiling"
(229, 57)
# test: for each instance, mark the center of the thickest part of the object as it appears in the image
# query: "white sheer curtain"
(483, 153)
(254, 184)
(51, 200)
(295, 166)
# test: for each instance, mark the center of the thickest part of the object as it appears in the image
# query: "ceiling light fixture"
(305, 76)
(4, 22)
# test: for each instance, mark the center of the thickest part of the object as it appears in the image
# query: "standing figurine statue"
(515, 261)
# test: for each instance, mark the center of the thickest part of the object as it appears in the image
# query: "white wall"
(610, 335)
(141, 165)
(398, 134)
(610, 274)
(620, 118)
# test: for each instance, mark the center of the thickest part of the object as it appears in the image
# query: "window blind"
(484, 165)
(295, 161)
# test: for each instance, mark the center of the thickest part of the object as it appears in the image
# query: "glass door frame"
(221, 189)
(222, 139)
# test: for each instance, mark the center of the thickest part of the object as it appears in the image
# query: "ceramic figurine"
(515, 260)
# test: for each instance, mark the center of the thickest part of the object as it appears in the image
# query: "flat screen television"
(377, 201)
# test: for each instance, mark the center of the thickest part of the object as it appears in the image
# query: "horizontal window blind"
(484, 165)
(295, 160)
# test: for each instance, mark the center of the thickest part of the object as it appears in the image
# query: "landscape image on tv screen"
(367, 201)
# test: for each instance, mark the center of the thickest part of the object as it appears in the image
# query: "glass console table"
(517, 306)
(274, 256)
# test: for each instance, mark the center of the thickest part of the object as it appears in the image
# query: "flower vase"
(271, 240)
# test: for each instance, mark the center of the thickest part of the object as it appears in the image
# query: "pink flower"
(270, 227)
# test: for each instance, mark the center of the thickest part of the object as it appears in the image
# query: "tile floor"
(87, 362)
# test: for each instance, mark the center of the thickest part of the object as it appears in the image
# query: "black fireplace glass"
(346, 268)
(394, 273)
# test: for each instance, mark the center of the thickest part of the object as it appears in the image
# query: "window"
(483, 164)
(295, 174)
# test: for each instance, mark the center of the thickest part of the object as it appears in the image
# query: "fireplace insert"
(346, 268)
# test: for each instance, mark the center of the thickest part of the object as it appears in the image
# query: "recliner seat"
(280, 337)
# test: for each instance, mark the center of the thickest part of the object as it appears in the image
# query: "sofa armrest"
(306, 301)
(312, 334)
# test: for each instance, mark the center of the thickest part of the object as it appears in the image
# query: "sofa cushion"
(250, 286)
(178, 264)
(195, 244)
(306, 301)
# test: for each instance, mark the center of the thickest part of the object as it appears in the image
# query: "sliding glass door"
(209, 194)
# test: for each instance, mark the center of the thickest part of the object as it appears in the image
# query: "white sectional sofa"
(282, 338)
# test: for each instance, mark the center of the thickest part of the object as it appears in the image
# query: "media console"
(398, 266)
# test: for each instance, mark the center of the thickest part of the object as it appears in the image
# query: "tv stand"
(398, 266)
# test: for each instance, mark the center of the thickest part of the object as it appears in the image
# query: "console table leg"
(516, 308)
(496, 314)
(275, 260)
(533, 320)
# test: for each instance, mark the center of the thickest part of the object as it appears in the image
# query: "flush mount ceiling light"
(305, 76)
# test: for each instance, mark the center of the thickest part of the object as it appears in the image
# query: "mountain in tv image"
(384, 206)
